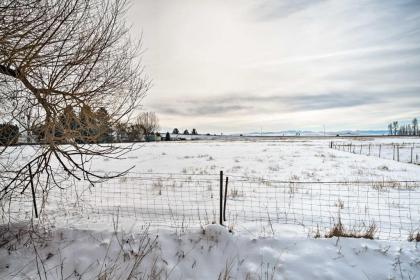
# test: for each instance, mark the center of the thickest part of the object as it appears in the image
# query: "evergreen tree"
(9, 134)
(103, 126)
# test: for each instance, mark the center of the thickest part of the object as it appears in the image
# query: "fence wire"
(404, 152)
(185, 201)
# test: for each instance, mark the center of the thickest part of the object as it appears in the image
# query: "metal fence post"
(31, 178)
(224, 206)
(221, 199)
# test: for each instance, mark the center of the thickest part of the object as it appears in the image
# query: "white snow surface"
(299, 158)
(211, 253)
(85, 248)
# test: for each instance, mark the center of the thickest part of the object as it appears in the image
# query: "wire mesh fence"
(404, 152)
(392, 208)
(184, 201)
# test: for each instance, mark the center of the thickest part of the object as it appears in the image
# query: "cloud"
(282, 62)
(274, 9)
(236, 104)
(198, 108)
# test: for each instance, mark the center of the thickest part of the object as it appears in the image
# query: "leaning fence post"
(31, 178)
(224, 205)
(221, 199)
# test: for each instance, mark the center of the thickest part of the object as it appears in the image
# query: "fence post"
(33, 190)
(393, 152)
(369, 150)
(224, 205)
(221, 199)
(380, 148)
(411, 159)
(398, 152)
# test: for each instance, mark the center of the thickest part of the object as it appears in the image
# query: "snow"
(178, 179)
(304, 158)
(211, 253)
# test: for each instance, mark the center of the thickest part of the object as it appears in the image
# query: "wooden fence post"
(393, 152)
(411, 158)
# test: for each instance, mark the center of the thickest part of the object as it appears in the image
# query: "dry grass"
(338, 230)
(414, 236)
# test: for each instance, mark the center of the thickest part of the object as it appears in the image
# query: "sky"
(272, 65)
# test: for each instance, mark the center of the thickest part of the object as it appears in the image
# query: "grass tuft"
(414, 237)
(338, 230)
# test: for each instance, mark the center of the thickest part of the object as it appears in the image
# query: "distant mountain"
(319, 133)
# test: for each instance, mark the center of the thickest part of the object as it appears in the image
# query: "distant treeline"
(86, 126)
(411, 129)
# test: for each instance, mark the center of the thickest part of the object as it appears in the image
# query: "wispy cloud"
(281, 62)
(274, 9)
(228, 103)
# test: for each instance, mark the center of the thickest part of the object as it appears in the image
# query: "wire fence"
(404, 152)
(185, 201)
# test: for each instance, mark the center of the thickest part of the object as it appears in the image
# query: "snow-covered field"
(276, 203)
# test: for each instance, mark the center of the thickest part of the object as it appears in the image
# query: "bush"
(9, 134)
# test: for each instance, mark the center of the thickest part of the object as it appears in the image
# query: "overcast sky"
(243, 65)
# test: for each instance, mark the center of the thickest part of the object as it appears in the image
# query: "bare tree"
(61, 54)
(415, 126)
(148, 122)
(390, 129)
(395, 127)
